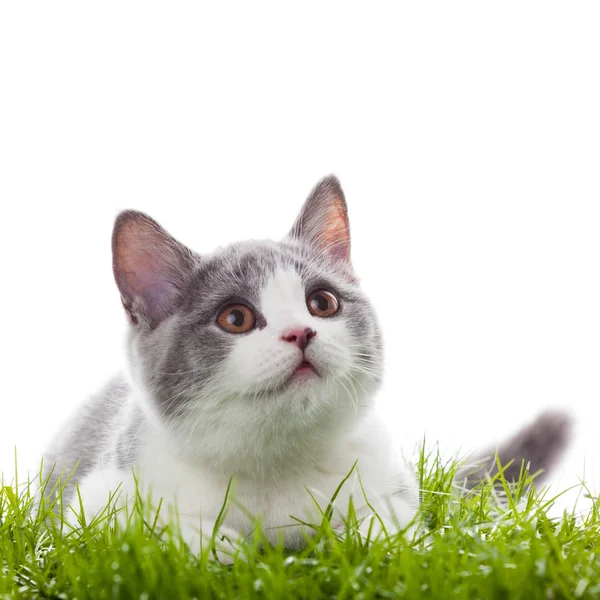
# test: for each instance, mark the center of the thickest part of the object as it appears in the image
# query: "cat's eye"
(322, 303)
(236, 318)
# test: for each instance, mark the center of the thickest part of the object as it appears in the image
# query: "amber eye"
(236, 318)
(322, 303)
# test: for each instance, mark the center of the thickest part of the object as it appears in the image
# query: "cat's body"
(260, 363)
(124, 438)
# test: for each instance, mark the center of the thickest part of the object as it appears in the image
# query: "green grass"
(494, 542)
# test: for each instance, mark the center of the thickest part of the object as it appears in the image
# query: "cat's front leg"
(97, 487)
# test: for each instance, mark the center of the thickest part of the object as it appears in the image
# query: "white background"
(466, 136)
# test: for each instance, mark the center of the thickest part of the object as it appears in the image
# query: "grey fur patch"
(78, 447)
(127, 447)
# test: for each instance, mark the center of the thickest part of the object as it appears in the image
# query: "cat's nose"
(299, 336)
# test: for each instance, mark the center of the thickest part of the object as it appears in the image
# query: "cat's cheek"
(257, 363)
(332, 352)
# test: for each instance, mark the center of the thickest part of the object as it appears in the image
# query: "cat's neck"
(245, 445)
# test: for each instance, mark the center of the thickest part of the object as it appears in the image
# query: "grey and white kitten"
(258, 362)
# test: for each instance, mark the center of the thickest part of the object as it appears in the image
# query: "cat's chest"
(197, 487)
(277, 502)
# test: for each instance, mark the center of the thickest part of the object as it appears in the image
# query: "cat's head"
(255, 350)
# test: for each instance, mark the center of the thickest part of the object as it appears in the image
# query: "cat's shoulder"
(88, 430)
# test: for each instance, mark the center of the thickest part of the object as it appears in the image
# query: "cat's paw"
(224, 546)
(223, 554)
(228, 546)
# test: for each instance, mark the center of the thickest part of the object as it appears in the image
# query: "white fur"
(275, 445)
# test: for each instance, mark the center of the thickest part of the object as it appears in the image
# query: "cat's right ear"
(151, 268)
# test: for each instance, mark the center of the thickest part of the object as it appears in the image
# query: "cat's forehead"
(244, 269)
(255, 263)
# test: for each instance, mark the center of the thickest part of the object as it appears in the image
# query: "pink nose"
(299, 336)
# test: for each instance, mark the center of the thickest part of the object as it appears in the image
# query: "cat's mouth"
(303, 369)
(303, 372)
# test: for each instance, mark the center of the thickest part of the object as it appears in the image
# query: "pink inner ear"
(149, 265)
(323, 220)
(335, 236)
(158, 298)
(141, 268)
(150, 279)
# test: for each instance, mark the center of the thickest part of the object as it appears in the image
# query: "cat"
(258, 362)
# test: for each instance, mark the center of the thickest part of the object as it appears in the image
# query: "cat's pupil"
(236, 318)
(319, 302)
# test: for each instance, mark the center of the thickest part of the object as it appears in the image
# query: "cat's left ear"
(323, 220)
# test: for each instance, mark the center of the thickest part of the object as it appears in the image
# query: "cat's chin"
(303, 373)
(304, 377)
